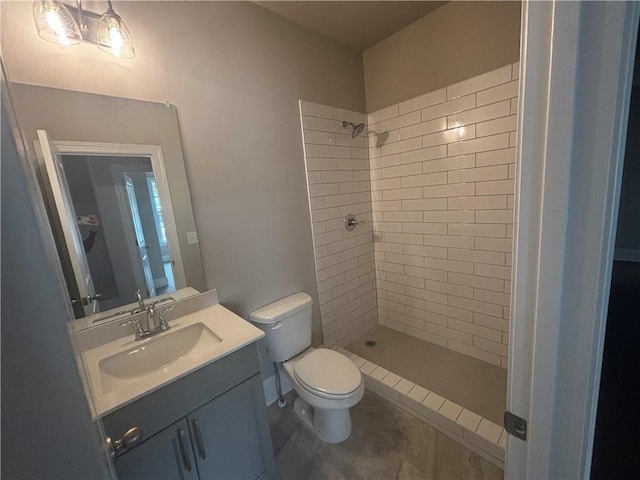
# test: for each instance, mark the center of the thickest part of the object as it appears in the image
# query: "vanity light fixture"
(55, 22)
(113, 35)
(68, 25)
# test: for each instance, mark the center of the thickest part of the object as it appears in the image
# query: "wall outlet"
(192, 238)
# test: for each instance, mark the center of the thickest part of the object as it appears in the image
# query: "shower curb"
(471, 430)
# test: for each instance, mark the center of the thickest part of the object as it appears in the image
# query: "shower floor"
(472, 384)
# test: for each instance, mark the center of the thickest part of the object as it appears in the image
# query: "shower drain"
(370, 343)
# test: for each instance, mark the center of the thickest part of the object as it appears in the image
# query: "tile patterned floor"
(386, 443)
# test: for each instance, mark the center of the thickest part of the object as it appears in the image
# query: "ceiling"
(356, 24)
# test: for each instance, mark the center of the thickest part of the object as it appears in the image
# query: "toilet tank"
(286, 324)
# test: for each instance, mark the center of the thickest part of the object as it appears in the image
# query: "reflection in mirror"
(119, 217)
(130, 204)
(113, 178)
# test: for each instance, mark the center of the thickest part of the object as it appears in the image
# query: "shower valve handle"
(350, 222)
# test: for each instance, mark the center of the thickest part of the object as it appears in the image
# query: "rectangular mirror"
(113, 178)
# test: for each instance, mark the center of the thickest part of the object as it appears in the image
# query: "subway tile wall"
(338, 176)
(433, 180)
(442, 179)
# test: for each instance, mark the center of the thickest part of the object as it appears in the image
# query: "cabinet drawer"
(161, 408)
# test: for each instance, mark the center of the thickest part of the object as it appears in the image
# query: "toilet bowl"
(327, 382)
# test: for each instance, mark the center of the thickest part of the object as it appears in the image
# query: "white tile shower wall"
(442, 170)
(338, 179)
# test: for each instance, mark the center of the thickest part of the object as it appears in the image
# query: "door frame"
(578, 58)
(56, 177)
(154, 152)
(126, 203)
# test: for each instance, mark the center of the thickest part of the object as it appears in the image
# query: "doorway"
(617, 433)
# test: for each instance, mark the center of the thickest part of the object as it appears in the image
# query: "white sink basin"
(161, 352)
(123, 370)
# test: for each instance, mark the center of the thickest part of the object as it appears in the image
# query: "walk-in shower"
(418, 296)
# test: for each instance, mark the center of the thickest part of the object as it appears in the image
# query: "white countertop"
(110, 393)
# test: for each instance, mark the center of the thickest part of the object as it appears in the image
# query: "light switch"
(192, 238)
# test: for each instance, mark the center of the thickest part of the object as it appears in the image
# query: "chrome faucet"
(140, 300)
(141, 308)
(154, 323)
(133, 311)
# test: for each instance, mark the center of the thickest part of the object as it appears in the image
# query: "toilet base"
(332, 426)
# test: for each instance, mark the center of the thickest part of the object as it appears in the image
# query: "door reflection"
(119, 216)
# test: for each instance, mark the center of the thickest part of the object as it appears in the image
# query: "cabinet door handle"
(183, 450)
(129, 440)
(199, 440)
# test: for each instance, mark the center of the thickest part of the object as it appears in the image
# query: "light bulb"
(55, 24)
(113, 37)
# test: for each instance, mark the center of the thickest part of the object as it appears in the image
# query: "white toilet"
(327, 382)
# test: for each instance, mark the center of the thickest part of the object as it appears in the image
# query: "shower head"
(356, 129)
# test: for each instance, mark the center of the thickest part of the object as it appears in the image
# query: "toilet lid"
(328, 371)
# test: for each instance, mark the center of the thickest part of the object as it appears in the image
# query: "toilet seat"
(327, 373)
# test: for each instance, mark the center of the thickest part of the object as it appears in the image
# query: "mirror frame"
(154, 153)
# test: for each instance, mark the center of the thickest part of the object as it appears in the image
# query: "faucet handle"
(135, 321)
(166, 309)
(162, 300)
(162, 322)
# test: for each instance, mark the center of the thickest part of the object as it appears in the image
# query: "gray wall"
(47, 431)
(457, 41)
(235, 71)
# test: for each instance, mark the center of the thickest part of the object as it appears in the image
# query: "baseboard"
(269, 386)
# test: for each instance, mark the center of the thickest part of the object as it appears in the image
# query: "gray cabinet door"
(166, 455)
(230, 435)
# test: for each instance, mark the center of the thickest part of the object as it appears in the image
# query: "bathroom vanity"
(209, 424)
(194, 394)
